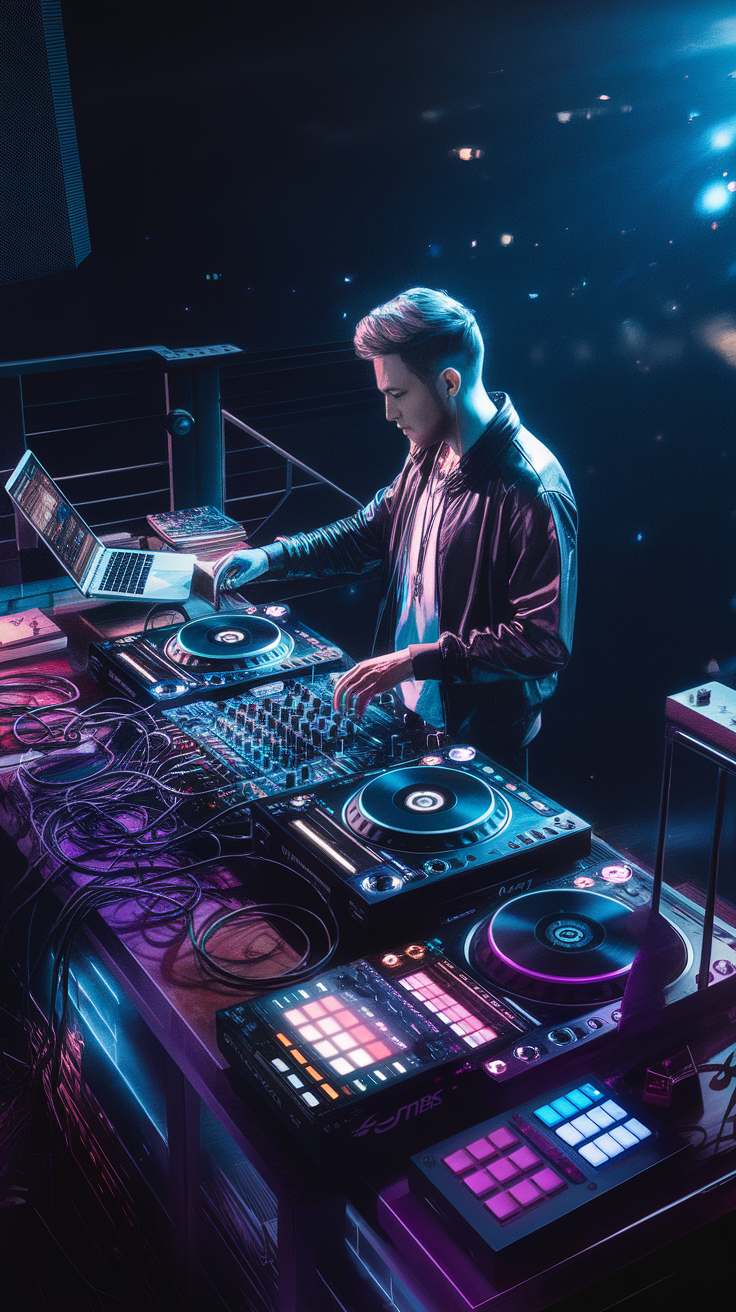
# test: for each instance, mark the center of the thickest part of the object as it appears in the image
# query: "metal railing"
(269, 484)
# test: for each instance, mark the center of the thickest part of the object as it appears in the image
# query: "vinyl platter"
(240, 642)
(564, 945)
(426, 809)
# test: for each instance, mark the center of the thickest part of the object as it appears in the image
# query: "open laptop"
(97, 570)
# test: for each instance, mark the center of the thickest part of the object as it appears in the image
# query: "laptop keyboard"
(127, 572)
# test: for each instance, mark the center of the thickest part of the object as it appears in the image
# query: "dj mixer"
(284, 735)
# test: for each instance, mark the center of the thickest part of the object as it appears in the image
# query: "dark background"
(305, 154)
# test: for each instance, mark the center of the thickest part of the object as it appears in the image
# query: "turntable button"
(549, 1181)
(458, 1162)
(563, 1106)
(569, 1134)
(613, 1109)
(585, 1126)
(502, 1206)
(503, 1138)
(593, 1154)
(526, 1052)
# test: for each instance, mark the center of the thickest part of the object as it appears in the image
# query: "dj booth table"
(232, 1213)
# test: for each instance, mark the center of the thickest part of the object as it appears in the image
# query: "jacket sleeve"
(534, 636)
(349, 546)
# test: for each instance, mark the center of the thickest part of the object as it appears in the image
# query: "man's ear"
(449, 382)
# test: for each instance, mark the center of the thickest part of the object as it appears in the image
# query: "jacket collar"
(502, 429)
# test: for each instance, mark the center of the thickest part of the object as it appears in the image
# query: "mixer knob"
(266, 761)
(336, 717)
(276, 751)
(267, 703)
(288, 700)
(322, 724)
(349, 728)
(311, 716)
(284, 715)
(294, 721)
(305, 773)
(316, 737)
(250, 724)
(290, 779)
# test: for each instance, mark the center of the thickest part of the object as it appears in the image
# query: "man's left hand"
(363, 681)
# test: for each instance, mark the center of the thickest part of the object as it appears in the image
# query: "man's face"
(417, 408)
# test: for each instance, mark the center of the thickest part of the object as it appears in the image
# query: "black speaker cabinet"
(43, 221)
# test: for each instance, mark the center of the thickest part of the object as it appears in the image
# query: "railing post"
(196, 460)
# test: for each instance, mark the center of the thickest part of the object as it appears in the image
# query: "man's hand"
(371, 677)
(243, 567)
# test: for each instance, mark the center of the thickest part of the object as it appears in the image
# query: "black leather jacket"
(506, 577)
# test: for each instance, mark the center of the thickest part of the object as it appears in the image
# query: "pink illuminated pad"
(525, 1158)
(481, 1150)
(458, 1162)
(314, 1010)
(526, 1193)
(502, 1138)
(502, 1206)
(332, 1003)
(346, 1018)
(328, 1026)
(548, 1181)
(479, 1183)
(503, 1170)
(362, 1034)
(378, 1050)
(295, 1016)
(326, 1049)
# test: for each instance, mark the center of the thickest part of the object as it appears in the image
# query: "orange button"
(283, 1039)
(302, 1060)
(328, 1089)
(314, 1074)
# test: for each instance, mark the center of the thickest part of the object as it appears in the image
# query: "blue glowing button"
(547, 1115)
(590, 1091)
(580, 1099)
(564, 1107)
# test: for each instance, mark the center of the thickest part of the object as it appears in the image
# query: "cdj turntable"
(215, 656)
(529, 975)
(385, 845)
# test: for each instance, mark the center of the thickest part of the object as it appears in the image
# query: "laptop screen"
(54, 519)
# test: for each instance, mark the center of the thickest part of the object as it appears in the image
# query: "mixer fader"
(285, 735)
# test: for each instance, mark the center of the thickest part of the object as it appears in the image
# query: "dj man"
(476, 537)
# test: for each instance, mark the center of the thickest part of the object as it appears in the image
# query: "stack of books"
(28, 633)
(200, 530)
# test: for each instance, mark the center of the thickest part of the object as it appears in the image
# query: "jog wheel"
(563, 945)
(426, 809)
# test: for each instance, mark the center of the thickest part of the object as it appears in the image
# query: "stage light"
(506, 239)
(714, 198)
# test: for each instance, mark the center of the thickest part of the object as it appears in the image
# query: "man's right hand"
(241, 568)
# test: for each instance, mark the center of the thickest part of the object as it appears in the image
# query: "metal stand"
(726, 765)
